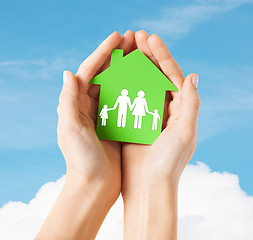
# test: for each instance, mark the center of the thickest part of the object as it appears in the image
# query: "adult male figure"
(123, 101)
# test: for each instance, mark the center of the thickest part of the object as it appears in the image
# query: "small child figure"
(104, 114)
(156, 117)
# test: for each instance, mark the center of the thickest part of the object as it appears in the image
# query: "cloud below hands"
(178, 21)
(22, 221)
(211, 206)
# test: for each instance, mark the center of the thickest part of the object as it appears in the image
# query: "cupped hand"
(87, 157)
(164, 160)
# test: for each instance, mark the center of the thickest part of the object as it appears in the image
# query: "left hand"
(164, 161)
(151, 172)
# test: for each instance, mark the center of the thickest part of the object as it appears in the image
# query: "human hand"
(172, 150)
(151, 172)
(93, 179)
(86, 156)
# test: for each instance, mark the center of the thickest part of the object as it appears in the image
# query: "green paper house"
(131, 100)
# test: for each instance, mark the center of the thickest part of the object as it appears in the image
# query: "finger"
(141, 38)
(126, 44)
(94, 110)
(127, 41)
(93, 63)
(189, 113)
(166, 113)
(68, 104)
(134, 45)
(167, 63)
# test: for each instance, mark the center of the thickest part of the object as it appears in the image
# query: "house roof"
(134, 64)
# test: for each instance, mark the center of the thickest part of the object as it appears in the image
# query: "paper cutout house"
(131, 100)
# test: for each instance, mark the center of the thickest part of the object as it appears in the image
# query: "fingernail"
(65, 77)
(195, 80)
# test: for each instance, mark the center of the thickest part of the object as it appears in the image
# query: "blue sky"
(40, 39)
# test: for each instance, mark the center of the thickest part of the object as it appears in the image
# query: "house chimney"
(116, 55)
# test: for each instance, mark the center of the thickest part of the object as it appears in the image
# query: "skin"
(151, 172)
(98, 170)
(93, 178)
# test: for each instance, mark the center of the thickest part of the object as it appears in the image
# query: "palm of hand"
(84, 153)
(161, 158)
(99, 157)
(169, 154)
(95, 157)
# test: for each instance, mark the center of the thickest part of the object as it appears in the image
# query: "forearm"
(151, 213)
(79, 210)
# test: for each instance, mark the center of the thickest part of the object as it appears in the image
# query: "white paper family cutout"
(139, 108)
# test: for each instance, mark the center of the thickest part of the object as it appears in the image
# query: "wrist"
(151, 213)
(80, 208)
(140, 184)
(149, 191)
(96, 186)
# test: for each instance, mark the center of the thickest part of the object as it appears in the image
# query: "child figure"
(104, 114)
(156, 117)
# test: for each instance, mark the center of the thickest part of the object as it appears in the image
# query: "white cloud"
(178, 21)
(212, 206)
(22, 221)
(39, 62)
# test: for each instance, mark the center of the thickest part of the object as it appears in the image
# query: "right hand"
(88, 158)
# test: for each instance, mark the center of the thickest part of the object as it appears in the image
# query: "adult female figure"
(140, 108)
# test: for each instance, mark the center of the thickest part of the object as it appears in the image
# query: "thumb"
(68, 101)
(190, 104)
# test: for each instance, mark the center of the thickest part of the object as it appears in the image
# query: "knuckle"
(64, 96)
(197, 102)
(66, 99)
(58, 110)
(67, 95)
(62, 135)
(172, 75)
(67, 128)
(66, 134)
(60, 142)
(61, 98)
(60, 130)
(102, 51)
